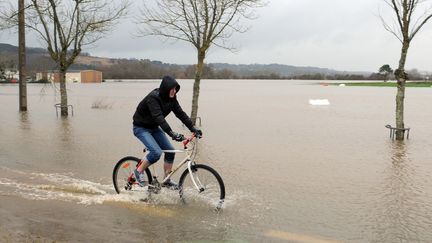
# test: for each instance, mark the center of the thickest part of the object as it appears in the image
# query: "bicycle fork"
(200, 188)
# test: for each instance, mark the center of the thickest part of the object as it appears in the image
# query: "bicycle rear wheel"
(123, 178)
(210, 191)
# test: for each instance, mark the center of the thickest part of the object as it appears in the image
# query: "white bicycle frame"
(187, 160)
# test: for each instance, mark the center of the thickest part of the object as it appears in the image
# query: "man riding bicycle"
(149, 125)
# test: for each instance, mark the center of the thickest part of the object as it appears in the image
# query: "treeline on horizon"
(146, 69)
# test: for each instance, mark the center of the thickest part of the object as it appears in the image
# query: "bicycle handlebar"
(188, 140)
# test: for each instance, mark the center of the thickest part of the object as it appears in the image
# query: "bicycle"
(197, 183)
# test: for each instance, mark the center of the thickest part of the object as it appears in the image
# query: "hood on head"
(166, 85)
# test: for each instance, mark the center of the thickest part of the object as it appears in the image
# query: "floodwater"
(293, 172)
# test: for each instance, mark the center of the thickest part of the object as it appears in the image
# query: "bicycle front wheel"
(203, 187)
(123, 179)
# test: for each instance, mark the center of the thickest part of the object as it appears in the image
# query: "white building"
(75, 76)
(11, 74)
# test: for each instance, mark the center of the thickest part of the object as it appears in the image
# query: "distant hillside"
(6, 48)
(280, 69)
(39, 60)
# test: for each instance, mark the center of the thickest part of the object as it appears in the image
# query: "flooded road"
(292, 171)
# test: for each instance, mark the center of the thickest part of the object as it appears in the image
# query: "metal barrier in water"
(199, 119)
(59, 106)
(394, 129)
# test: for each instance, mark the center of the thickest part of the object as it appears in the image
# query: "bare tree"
(66, 26)
(202, 23)
(407, 25)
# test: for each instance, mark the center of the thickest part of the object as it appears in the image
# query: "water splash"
(66, 187)
(63, 187)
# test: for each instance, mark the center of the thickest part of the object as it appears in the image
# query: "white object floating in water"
(319, 102)
(342, 85)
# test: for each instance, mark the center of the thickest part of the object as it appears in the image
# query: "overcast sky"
(338, 34)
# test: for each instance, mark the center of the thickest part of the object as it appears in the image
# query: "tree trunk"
(63, 93)
(196, 87)
(400, 96)
(22, 58)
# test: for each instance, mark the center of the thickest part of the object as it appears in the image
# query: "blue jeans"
(155, 141)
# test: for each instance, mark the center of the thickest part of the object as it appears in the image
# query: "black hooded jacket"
(153, 109)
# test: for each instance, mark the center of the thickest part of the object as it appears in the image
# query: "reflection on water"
(65, 131)
(25, 123)
(400, 214)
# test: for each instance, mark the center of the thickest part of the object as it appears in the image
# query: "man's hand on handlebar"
(177, 136)
(198, 132)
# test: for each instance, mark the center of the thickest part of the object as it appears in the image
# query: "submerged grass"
(101, 104)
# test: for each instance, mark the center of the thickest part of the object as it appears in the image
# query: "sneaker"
(139, 177)
(170, 185)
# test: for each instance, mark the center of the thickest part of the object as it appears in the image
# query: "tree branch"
(200, 22)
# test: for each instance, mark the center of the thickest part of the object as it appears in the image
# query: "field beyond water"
(416, 84)
(293, 172)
